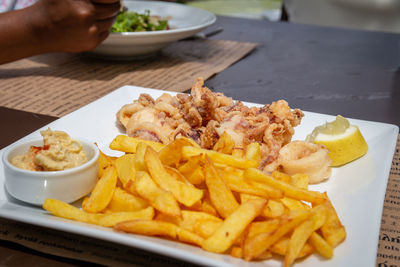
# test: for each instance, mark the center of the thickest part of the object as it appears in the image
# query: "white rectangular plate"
(357, 190)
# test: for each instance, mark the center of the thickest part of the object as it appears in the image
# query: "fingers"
(106, 11)
(101, 29)
(103, 36)
(104, 25)
(105, 14)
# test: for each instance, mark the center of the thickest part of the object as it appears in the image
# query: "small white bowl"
(35, 186)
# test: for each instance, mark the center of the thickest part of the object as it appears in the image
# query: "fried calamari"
(204, 116)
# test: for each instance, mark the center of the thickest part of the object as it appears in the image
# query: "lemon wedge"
(344, 141)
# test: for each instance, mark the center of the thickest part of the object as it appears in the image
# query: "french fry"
(256, 245)
(190, 141)
(197, 176)
(111, 219)
(175, 174)
(124, 201)
(270, 191)
(191, 164)
(253, 152)
(233, 226)
(197, 206)
(259, 227)
(224, 144)
(218, 165)
(130, 187)
(171, 154)
(140, 164)
(244, 197)
(300, 180)
(241, 185)
(294, 204)
(206, 227)
(220, 194)
(102, 193)
(159, 228)
(333, 231)
(281, 176)
(160, 199)
(320, 245)
(273, 209)
(128, 144)
(319, 216)
(207, 206)
(301, 234)
(192, 220)
(238, 152)
(104, 163)
(193, 169)
(231, 170)
(281, 247)
(168, 218)
(185, 194)
(289, 190)
(112, 159)
(297, 242)
(67, 211)
(189, 219)
(189, 151)
(236, 252)
(125, 166)
(264, 256)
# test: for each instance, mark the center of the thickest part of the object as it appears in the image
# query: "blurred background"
(372, 15)
(253, 9)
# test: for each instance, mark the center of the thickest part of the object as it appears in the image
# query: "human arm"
(55, 26)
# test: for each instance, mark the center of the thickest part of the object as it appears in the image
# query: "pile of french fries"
(215, 199)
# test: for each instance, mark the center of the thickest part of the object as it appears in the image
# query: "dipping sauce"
(59, 152)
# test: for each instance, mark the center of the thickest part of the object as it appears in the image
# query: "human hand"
(73, 25)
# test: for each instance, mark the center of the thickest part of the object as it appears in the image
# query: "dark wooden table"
(315, 68)
(318, 69)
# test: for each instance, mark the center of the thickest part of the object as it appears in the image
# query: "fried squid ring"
(305, 157)
(126, 112)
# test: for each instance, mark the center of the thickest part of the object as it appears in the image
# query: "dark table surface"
(318, 69)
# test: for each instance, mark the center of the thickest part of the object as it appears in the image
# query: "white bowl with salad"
(145, 27)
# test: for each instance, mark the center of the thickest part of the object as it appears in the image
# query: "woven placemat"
(57, 84)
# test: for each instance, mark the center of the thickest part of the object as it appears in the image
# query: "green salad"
(129, 21)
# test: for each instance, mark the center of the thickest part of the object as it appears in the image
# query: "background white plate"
(185, 21)
(357, 189)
